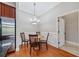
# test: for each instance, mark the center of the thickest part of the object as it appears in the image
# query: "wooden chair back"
(33, 38)
(22, 36)
(47, 37)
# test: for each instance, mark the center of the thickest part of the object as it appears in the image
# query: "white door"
(61, 32)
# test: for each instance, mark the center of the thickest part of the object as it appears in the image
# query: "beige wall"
(71, 27)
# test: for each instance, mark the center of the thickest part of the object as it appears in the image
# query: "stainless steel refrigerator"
(7, 35)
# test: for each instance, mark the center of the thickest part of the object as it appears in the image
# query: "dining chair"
(43, 41)
(23, 38)
(34, 41)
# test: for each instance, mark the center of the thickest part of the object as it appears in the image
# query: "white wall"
(48, 21)
(78, 25)
(23, 24)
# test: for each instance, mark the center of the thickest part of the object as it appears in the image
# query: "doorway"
(68, 33)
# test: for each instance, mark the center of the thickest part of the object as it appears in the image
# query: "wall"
(48, 20)
(78, 25)
(23, 24)
(71, 27)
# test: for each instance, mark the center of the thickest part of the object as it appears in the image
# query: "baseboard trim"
(73, 43)
(52, 44)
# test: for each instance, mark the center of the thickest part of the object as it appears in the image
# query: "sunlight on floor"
(71, 48)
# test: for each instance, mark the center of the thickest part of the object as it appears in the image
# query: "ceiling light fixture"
(34, 20)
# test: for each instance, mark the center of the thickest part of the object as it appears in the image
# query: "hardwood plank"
(51, 52)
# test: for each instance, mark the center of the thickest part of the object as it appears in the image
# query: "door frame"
(66, 13)
(59, 31)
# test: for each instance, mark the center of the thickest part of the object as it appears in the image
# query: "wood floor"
(51, 52)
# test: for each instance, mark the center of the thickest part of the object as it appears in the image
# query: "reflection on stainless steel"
(7, 41)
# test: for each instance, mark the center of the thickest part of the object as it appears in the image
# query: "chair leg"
(21, 44)
(27, 44)
(46, 46)
(39, 46)
(30, 50)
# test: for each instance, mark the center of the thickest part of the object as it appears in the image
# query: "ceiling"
(41, 7)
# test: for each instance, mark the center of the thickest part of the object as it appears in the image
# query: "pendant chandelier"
(34, 20)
